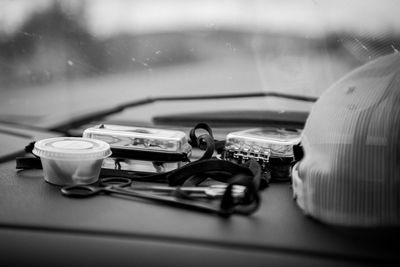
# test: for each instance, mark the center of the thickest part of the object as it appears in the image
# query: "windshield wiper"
(82, 119)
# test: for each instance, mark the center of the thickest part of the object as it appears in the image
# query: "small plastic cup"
(71, 160)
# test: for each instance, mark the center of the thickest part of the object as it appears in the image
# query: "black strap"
(149, 155)
(204, 142)
(251, 200)
(218, 145)
(248, 175)
(191, 174)
(28, 163)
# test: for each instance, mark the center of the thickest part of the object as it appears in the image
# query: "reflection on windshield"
(178, 46)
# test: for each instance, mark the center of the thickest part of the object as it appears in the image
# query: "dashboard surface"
(39, 225)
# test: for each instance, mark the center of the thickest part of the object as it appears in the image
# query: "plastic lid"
(73, 148)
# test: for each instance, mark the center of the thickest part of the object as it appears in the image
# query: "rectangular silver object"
(263, 142)
(142, 149)
(271, 147)
(140, 138)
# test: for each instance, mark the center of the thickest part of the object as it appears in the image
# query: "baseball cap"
(350, 172)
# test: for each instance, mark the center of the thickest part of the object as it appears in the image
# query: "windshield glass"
(63, 58)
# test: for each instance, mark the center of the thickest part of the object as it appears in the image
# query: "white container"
(71, 160)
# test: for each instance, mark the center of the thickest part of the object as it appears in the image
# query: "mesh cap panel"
(350, 174)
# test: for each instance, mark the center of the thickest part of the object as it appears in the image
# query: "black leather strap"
(28, 163)
(204, 142)
(248, 175)
(149, 155)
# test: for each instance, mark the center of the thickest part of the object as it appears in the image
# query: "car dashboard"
(38, 225)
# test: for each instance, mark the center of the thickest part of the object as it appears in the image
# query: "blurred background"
(164, 47)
